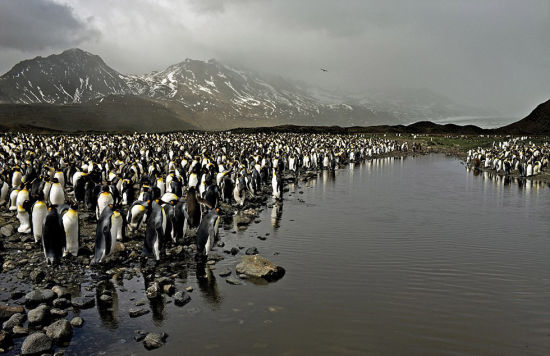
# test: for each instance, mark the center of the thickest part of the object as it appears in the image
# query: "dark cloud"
(492, 53)
(37, 24)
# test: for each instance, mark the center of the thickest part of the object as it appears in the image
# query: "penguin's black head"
(74, 205)
(55, 180)
(105, 188)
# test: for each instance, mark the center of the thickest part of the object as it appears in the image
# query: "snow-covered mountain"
(209, 93)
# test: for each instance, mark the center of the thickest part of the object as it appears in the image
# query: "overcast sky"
(489, 53)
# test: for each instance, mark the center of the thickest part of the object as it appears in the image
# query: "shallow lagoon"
(408, 255)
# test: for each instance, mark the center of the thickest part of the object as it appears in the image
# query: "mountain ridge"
(209, 93)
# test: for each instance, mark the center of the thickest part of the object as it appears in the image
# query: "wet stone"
(251, 251)
(61, 303)
(154, 340)
(6, 311)
(181, 298)
(58, 313)
(77, 322)
(36, 343)
(60, 331)
(39, 315)
(19, 331)
(14, 320)
(233, 281)
(135, 313)
(226, 272)
(83, 302)
(7, 230)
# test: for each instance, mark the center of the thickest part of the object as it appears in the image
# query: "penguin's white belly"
(116, 229)
(39, 213)
(57, 196)
(22, 196)
(4, 193)
(24, 221)
(102, 202)
(70, 224)
(13, 199)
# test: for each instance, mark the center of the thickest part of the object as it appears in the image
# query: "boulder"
(60, 331)
(154, 340)
(38, 296)
(61, 292)
(37, 343)
(7, 230)
(61, 303)
(83, 302)
(39, 315)
(14, 320)
(260, 267)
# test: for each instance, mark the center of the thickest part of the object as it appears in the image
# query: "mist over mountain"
(211, 95)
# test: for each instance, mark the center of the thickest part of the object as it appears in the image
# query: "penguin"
(104, 239)
(193, 208)
(72, 229)
(60, 178)
(57, 195)
(4, 191)
(16, 178)
(207, 233)
(22, 196)
(135, 215)
(53, 236)
(154, 233)
(39, 211)
(24, 218)
(79, 187)
(104, 199)
(239, 193)
(117, 226)
(276, 183)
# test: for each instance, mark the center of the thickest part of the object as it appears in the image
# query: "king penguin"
(72, 229)
(154, 234)
(207, 233)
(53, 236)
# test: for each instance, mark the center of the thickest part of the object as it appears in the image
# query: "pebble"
(77, 322)
(233, 281)
(135, 313)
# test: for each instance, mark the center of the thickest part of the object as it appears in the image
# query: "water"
(411, 256)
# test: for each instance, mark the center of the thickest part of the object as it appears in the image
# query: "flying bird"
(324, 70)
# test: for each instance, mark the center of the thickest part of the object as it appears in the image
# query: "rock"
(36, 297)
(251, 251)
(7, 230)
(60, 331)
(77, 322)
(141, 302)
(37, 275)
(233, 281)
(220, 244)
(17, 294)
(234, 251)
(169, 289)
(14, 320)
(226, 272)
(83, 302)
(58, 313)
(6, 311)
(181, 298)
(19, 331)
(260, 267)
(61, 303)
(189, 289)
(106, 299)
(8, 265)
(154, 341)
(242, 276)
(134, 313)
(36, 343)
(215, 257)
(39, 315)
(153, 291)
(61, 292)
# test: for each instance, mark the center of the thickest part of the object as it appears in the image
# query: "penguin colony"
(165, 184)
(516, 156)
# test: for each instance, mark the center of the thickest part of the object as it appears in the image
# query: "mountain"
(205, 94)
(536, 123)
